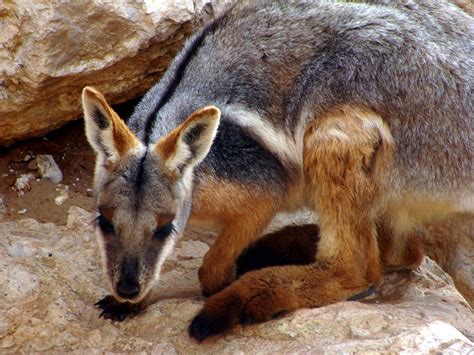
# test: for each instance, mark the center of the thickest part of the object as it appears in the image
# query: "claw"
(116, 311)
(362, 294)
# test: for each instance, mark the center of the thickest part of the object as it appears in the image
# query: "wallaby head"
(143, 193)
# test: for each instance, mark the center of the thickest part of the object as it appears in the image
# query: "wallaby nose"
(128, 288)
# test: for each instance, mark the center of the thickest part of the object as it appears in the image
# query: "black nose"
(128, 288)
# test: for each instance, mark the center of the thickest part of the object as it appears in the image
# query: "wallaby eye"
(105, 226)
(163, 232)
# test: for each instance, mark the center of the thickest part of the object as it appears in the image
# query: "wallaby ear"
(188, 144)
(106, 132)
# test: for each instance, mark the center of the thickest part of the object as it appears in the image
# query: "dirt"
(74, 157)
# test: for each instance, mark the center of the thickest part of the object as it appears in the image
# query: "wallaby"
(361, 111)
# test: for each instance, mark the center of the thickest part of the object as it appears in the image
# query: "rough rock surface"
(49, 50)
(50, 277)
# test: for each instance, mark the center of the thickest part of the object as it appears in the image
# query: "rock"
(22, 183)
(17, 284)
(78, 217)
(22, 248)
(47, 168)
(63, 195)
(90, 192)
(52, 276)
(454, 249)
(3, 208)
(51, 50)
(193, 249)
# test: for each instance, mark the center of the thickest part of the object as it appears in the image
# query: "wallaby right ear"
(188, 144)
(106, 132)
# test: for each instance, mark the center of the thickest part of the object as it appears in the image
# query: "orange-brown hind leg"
(347, 155)
(399, 252)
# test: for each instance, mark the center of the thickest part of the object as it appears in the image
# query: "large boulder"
(50, 277)
(49, 50)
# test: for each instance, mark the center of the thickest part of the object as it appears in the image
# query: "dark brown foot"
(214, 321)
(246, 301)
(226, 309)
(117, 311)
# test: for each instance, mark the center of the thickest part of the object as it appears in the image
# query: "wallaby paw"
(115, 310)
(219, 314)
(205, 325)
(235, 304)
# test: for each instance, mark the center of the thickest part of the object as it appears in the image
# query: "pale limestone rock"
(62, 196)
(49, 305)
(50, 50)
(22, 248)
(17, 284)
(3, 208)
(22, 183)
(193, 249)
(47, 168)
(77, 217)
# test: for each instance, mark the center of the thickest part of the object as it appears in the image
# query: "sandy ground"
(75, 159)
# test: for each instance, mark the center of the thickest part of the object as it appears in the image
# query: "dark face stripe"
(141, 171)
(139, 180)
(178, 74)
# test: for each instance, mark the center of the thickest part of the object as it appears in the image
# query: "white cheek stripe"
(104, 258)
(165, 252)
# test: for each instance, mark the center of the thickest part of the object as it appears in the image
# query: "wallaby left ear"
(106, 132)
(188, 144)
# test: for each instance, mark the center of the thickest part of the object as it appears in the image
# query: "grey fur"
(411, 62)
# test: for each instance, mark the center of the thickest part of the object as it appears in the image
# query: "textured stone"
(454, 251)
(23, 183)
(50, 50)
(3, 209)
(50, 277)
(193, 249)
(47, 167)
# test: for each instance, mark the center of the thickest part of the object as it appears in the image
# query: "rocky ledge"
(50, 277)
(50, 50)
